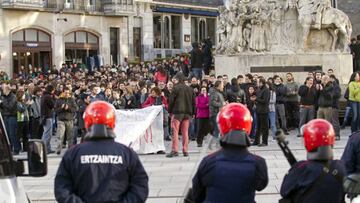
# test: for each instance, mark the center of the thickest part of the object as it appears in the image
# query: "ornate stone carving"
(257, 26)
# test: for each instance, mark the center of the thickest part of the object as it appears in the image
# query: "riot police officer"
(231, 174)
(99, 169)
(351, 155)
(320, 178)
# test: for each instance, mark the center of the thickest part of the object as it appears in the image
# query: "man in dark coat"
(262, 109)
(207, 55)
(196, 61)
(47, 105)
(182, 108)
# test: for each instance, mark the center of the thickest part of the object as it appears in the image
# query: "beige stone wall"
(14, 20)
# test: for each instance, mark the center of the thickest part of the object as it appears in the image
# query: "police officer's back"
(351, 155)
(320, 178)
(231, 174)
(99, 169)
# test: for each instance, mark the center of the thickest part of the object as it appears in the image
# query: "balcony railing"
(23, 3)
(118, 6)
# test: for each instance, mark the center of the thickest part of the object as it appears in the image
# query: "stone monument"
(278, 36)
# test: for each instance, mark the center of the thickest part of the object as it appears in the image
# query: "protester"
(23, 119)
(217, 101)
(354, 98)
(308, 98)
(335, 107)
(202, 115)
(272, 110)
(196, 61)
(281, 92)
(292, 102)
(182, 108)
(251, 93)
(234, 93)
(35, 114)
(262, 99)
(65, 108)
(47, 105)
(326, 98)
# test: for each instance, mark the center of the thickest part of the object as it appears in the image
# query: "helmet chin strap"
(323, 153)
(236, 138)
(97, 131)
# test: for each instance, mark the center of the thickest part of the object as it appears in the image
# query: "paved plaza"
(170, 178)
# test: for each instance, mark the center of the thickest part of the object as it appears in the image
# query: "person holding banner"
(182, 108)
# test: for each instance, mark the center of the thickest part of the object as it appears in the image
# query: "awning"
(186, 11)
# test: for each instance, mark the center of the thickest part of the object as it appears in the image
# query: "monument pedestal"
(299, 65)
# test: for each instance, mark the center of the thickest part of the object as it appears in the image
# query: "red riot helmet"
(99, 118)
(319, 139)
(235, 122)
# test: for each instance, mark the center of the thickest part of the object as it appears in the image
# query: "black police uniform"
(351, 155)
(101, 170)
(230, 175)
(314, 182)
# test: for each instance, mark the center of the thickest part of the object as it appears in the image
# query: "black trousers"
(292, 114)
(202, 130)
(36, 129)
(23, 133)
(262, 129)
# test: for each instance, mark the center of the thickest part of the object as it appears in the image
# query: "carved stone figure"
(274, 25)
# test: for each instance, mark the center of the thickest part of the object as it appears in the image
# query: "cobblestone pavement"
(170, 178)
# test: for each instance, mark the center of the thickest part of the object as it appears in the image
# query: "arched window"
(79, 45)
(31, 48)
(202, 30)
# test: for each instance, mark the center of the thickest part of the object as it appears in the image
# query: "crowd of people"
(39, 104)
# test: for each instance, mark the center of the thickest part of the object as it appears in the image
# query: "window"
(43, 37)
(81, 37)
(202, 28)
(92, 38)
(167, 31)
(31, 35)
(175, 32)
(157, 21)
(18, 36)
(114, 45)
(70, 38)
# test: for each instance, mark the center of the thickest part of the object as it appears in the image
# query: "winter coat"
(202, 106)
(9, 105)
(308, 96)
(326, 96)
(150, 101)
(281, 92)
(65, 114)
(216, 102)
(182, 100)
(235, 94)
(262, 100)
(47, 105)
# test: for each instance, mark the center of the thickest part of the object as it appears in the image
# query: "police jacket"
(351, 155)
(306, 182)
(101, 171)
(229, 175)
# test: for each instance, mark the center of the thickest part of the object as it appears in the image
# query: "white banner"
(141, 129)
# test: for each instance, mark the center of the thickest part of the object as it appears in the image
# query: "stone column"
(186, 30)
(147, 33)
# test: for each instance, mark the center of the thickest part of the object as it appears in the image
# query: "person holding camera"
(65, 108)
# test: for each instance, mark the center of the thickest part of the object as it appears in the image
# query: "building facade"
(47, 33)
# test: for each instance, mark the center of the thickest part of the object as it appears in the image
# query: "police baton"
(281, 140)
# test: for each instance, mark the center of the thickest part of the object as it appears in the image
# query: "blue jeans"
(216, 131)
(254, 125)
(346, 117)
(355, 124)
(272, 118)
(46, 137)
(197, 72)
(192, 130)
(11, 127)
